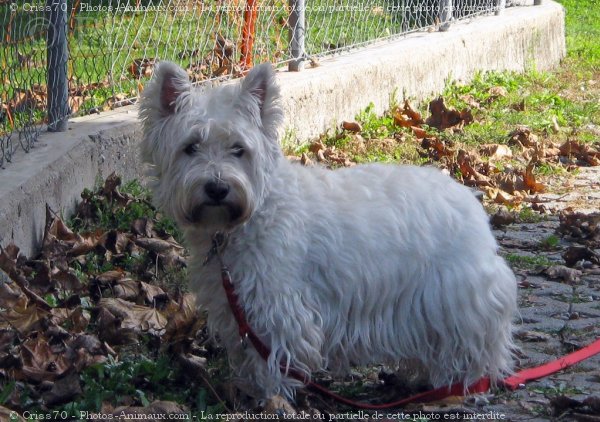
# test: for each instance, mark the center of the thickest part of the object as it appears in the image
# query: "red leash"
(483, 385)
(522, 377)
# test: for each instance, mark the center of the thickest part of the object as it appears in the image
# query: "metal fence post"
(500, 6)
(297, 25)
(58, 54)
(445, 14)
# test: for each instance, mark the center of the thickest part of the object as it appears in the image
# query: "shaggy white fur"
(374, 263)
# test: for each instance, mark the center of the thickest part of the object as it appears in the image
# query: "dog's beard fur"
(374, 263)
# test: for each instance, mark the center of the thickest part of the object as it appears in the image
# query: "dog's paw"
(279, 406)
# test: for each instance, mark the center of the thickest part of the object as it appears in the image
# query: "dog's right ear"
(162, 95)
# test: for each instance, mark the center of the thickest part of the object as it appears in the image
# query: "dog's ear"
(160, 96)
(259, 97)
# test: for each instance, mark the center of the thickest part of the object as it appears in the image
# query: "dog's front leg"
(288, 324)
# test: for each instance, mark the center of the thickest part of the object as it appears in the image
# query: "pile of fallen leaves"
(506, 173)
(86, 300)
(100, 322)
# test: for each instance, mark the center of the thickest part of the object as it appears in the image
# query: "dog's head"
(211, 151)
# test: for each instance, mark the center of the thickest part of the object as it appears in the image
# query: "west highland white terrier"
(369, 264)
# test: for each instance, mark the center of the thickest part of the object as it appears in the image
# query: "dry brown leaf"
(83, 246)
(414, 115)
(40, 363)
(496, 151)
(8, 264)
(76, 319)
(111, 190)
(502, 218)
(142, 67)
(304, 160)
(555, 125)
(157, 245)
(79, 319)
(11, 296)
(276, 404)
(532, 336)
(12, 251)
(496, 92)
(419, 133)
(575, 254)
(338, 157)
(582, 152)
(523, 137)
(530, 182)
(510, 181)
(10, 415)
(59, 230)
(520, 106)
(580, 225)
(351, 126)
(111, 276)
(152, 412)
(437, 146)
(470, 101)
(75, 103)
(143, 227)
(63, 390)
(24, 319)
(127, 289)
(172, 258)
(569, 275)
(317, 146)
(501, 197)
(184, 318)
(445, 118)
(135, 317)
(65, 279)
(468, 172)
(407, 116)
(224, 48)
(150, 291)
(26, 100)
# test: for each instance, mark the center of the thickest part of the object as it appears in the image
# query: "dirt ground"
(559, 313)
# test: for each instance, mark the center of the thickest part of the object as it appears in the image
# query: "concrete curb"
(62, 164)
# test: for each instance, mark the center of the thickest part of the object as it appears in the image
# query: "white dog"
(369, 264)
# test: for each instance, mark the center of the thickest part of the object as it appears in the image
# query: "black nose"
(216, 190)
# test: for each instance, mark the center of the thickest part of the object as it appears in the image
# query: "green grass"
(136, 379)
(532, 99)
(566, 95)
(527, 215)
(527, 261)
(583, 32)
(549, 243)
(559, 390)
(114, 216)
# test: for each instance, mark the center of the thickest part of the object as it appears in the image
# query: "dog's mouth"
(216, 213)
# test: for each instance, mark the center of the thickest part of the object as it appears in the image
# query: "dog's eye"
(237, 150)
(192, 149)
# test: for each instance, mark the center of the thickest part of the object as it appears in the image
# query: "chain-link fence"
(69, 57)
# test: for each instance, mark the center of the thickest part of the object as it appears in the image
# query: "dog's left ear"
(259, 97)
